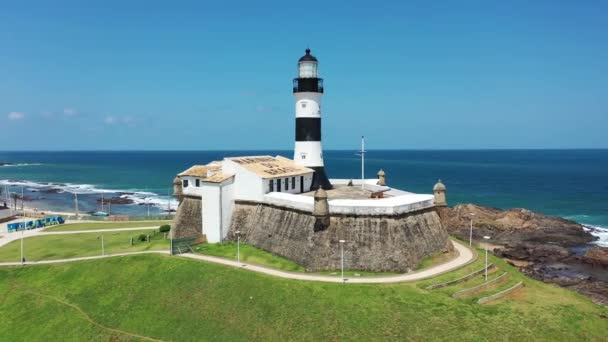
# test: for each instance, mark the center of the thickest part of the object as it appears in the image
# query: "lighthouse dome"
(308, 57)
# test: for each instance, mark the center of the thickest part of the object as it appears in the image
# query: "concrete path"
(58, 261)
(9, 237)
(465, 256)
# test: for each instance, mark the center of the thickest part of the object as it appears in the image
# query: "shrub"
(164, 228)
(142, 237)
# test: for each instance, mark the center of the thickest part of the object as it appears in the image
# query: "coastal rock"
(596, 256)
(543, 247)
(51, 191)
(534, 253)
(513, 226)
(116, 200)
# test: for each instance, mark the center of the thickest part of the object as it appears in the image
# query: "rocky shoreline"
(546, 248)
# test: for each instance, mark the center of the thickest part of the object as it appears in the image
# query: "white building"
(280, 181)
(219, 183)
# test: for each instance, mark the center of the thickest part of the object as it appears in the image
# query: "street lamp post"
(342, 258)
(486, 268)
(103, 251)
(238, 247)
(471, 231)
(22, 259)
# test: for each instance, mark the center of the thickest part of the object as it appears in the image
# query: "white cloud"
(16, 115)
(110, 120)
(126, 120)
(70, 112)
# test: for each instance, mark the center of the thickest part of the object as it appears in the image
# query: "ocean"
(568, 183)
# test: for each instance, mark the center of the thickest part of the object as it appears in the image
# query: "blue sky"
(217, 75)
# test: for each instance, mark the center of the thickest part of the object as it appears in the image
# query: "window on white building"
(286, 184)
(271, 185)
(197, 182)
(293, 182)
(185, 183)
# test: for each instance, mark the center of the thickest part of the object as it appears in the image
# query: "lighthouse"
(308, 89)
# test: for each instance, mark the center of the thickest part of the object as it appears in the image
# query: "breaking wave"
(600, 232)
(137, 196)
(19, 164)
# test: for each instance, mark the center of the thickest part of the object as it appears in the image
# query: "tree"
(164, 228)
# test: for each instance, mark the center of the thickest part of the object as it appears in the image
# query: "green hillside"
(172, 298)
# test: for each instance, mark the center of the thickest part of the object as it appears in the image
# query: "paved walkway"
(9, 237)
(465, 256)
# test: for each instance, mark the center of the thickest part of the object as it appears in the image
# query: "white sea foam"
(20, 164)
(138, 197)
(600, 232)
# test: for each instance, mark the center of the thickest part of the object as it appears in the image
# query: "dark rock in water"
(514, 226)
(547, 248)
(51, 191)
(596, 256)
(116, 200)
(6, 164)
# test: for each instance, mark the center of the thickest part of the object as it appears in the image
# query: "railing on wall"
(386, 206)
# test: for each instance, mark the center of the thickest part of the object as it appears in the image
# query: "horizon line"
(269, 149)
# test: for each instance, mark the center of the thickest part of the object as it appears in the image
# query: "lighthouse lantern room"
(308, 89)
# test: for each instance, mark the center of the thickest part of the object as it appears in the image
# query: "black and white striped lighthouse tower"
(308, 89)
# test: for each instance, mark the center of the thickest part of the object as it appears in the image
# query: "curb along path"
(465, 256)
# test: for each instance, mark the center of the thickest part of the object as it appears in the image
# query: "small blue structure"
(39, 223)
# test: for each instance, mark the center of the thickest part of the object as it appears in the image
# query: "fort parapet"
(373, 242)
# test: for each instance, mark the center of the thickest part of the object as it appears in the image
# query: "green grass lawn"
(253, 255)
(104, 225)
(78, 245)
(248, 254)
(178, 299)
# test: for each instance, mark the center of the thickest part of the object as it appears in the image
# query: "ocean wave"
(600, 232)
(19, 164)
(139, 197)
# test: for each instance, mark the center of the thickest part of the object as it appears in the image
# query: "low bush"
(164, 228)
(142, 237)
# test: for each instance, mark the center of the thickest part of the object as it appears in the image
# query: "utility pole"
(22, 258)
(362, 162)
(169, 201)
(362, 154)
(471, 231)
(342, 259)
(103, 252)
(76, 203)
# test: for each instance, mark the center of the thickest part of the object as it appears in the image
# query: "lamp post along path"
(486, 245)
(471, 231)
(22, 259)
(342, 259)
(238, 247)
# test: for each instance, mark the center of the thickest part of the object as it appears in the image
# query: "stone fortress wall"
(396, 243)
